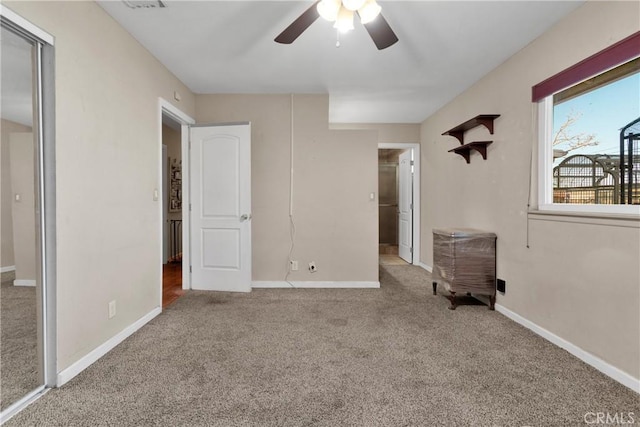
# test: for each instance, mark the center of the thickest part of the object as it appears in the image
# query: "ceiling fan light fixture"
(353, 5)
(329, 9)
(344, 22)
(342, 17)
(369, 11)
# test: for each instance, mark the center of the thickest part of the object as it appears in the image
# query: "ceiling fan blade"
(381, 33)
(298, 26)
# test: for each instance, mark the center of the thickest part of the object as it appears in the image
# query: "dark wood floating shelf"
(465, 150)
(485, 120)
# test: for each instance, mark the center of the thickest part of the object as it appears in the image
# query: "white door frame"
(166, 108)
(415, 147)
(164, 196)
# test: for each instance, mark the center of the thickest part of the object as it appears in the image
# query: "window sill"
(629, 219)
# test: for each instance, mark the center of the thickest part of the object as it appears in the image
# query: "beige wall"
(578, 280)
(107, 154)
(334, 172)
(23, 211)
(387, 132)
(172, 139)
(6, 194)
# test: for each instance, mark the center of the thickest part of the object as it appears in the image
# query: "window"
(590, 133)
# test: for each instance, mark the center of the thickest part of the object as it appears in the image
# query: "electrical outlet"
(112, 309)
(312, 267)
(501, 286)
(294, 265)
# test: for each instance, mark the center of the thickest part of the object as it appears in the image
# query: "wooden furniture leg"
(492, 302)
(452, 298)
(435, 286)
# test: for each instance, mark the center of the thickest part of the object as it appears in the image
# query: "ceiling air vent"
(146, 4)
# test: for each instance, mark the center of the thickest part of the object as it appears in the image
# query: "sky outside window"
(601, 112)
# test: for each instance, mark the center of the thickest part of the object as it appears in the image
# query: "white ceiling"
(444, 47)
(227, 47)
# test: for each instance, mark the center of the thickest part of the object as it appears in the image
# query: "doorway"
(398, 198)
(174, 137)
(171, 210)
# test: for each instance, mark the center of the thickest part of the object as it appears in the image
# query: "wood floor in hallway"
(171, 282)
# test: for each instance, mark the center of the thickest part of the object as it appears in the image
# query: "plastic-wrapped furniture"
(464, 260)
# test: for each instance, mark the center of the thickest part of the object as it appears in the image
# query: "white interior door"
(220, 169)
(405, 207)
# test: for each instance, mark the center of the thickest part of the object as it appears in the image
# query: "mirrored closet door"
(23, 290)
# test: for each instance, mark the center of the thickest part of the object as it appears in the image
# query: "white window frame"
(545, 172)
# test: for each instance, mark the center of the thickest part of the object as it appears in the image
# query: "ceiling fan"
(341, 12)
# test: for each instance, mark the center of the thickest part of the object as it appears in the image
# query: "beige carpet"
(18, 341)
(394, 356)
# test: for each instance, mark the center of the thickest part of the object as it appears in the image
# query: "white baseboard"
(7, 269)
(82, 364)
(602, 366)
(24, 282)
(313, 285)
(425, 266)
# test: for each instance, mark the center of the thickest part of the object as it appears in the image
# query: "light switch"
(372, 196)
(17, 197)
(156, 195)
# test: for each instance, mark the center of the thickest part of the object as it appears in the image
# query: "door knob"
(245, 217)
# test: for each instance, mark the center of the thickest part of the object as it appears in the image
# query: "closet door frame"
(44, 131)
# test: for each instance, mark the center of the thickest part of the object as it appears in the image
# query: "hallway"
(171, 283)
